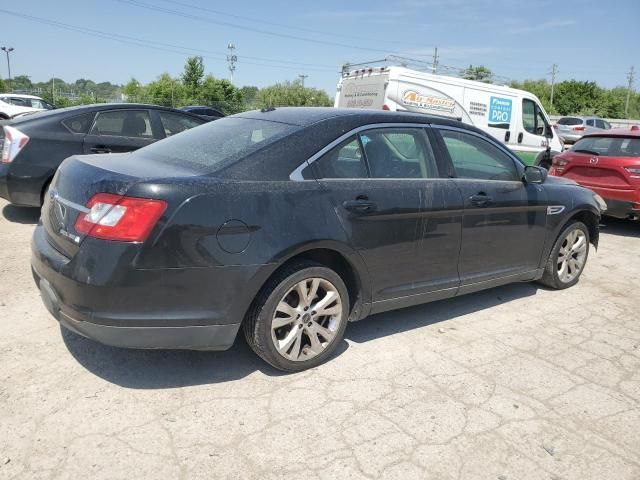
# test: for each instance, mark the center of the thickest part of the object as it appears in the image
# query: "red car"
(609, 164)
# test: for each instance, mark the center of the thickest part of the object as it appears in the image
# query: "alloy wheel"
(306, 319)
(572, 255)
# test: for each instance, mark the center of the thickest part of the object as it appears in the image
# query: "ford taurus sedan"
(289, 223)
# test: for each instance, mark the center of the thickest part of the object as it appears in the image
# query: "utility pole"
(630, 77)
(8, 50)
(232, 58)
(434, 66)
(302, 77)
(554, 71)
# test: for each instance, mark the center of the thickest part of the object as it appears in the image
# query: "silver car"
(571, 129)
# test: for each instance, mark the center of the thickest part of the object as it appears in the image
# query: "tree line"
(194, 87)
(571, 97)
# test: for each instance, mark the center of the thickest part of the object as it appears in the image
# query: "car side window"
(173, 123)
(344, 161)
(529, 115)
(79, 123)
(600, 123)
(607, 125)
(398, 153)
(22, 102)
(123, 123)
(475, 157)
(590, 123)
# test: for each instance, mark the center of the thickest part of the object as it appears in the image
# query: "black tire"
(257, 323)
(550, 277)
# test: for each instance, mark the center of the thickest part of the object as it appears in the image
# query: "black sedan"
(290, 222)
(33, 146)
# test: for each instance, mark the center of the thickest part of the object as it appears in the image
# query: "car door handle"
(507, 136)
(359, 206)
(520, 137)
(480, 200)
(100, 149)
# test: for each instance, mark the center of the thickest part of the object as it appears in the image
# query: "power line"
(167, 47)
(178, 13)
(276, 24)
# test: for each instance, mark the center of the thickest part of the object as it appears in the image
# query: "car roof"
(19, 95)
(581, 117)
(633, 131)
(80, 109)
(305, 116)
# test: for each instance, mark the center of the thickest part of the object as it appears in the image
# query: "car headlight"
(602, 205)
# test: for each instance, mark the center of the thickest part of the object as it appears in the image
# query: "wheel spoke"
(316, 347)
(325, 332)
(562, 271)
(326, 301)
(315, 283)
(303, 293)
(292, 342)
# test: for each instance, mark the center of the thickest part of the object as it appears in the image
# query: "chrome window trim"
(296, 175)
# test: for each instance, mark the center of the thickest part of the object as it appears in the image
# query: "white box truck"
(514, 117)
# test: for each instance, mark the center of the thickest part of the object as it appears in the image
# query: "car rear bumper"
(195, 337)
(21, 192)
(621, 203)
(190, 308)
(569, 138)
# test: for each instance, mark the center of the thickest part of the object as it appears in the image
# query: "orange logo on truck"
(415, 99)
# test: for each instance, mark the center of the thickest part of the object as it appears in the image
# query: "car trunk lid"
(595, 170)
(79, 178)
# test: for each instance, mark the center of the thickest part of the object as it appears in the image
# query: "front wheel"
(299, 318)
(568, 257)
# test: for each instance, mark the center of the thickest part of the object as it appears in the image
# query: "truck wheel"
(568, 257)
(299, 318)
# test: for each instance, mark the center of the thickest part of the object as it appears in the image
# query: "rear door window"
(173, 123)
(344, 161)
(398, 153)
(590, 123)
(474, 157)
(123, 123)
(600, 124)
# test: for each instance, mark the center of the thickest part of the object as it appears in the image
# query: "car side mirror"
(535, 174)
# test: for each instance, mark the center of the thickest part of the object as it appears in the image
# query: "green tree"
(479, 73)
(3, 87)
(220, 93)
(192, 76)
(574, 97)
(21, 82)
(292, 94)
(165, 91)
(133, 90)
(249, 94)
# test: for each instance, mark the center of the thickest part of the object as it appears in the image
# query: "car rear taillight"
(634, 171)
(579, 129)
(114, 217)
(385, 107)
(558, 163)
(14, 142)
(555, 126)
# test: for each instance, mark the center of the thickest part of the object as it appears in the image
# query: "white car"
(14, 104)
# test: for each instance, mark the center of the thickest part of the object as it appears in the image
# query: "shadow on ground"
(151, 369)
(624, 228)
(26, 215)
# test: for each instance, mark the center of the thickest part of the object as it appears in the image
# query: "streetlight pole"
(8, 50)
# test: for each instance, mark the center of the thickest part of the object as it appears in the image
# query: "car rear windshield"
(609, 146)
(570, 121)
(212, 146)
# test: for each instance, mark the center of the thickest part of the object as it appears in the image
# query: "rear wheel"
(299, 318)
(568, 257)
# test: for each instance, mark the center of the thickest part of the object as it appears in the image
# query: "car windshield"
(214, 145)
(609, 146)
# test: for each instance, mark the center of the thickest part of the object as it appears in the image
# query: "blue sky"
(278, 40)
